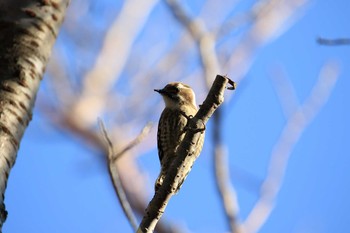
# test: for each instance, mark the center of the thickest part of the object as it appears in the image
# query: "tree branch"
(282, 150)
(133, 143)
(204, 39)
(117, 183)
(223, 183)
(285, 91)
(99, 80)
(271, 18)
(183, 159)
(333, 42)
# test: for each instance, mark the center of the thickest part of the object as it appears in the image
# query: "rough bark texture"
(28, 30)
(184, 156)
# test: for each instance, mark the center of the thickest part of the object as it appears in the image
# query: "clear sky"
(57, 185)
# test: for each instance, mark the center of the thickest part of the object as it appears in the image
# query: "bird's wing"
(170, 133)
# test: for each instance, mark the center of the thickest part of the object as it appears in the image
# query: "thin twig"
(133, 143)
(117, 184)
(183, 160)
(282, 150)
(333, 42)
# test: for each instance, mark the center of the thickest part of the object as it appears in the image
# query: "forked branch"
(117, 184)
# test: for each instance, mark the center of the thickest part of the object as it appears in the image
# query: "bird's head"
(177, 94)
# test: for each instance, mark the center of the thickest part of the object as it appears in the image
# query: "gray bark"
(28, 30)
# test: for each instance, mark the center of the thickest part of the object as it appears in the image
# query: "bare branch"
(194, 27)
(271, 18)
(333, 42)
(282, 150)
(204, 39)
(126, 170)
(112, 58)
(183, 159)
(224, 186)
(234, 23)
(285, 91)
(133, 143)
(226, 190)
(61, 85)
(117, 184)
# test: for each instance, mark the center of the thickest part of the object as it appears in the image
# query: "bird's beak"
(163, 92)
(160, 91)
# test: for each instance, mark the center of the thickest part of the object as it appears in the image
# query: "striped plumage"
(179, 101)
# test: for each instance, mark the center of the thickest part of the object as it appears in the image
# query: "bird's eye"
(173, 89)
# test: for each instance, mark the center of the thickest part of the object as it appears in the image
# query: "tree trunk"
(28, 30)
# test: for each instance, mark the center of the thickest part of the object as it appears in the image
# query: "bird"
(180, 106)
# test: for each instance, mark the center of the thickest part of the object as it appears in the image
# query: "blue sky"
(59, 185)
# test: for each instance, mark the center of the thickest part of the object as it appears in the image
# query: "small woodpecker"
(180, 105)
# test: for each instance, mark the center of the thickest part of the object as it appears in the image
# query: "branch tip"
(232, 83)
(229, 81)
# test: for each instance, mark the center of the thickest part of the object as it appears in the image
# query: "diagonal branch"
(117, 184)
(183, 156)
(285, 91)
(112, 59)
(282, 150)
